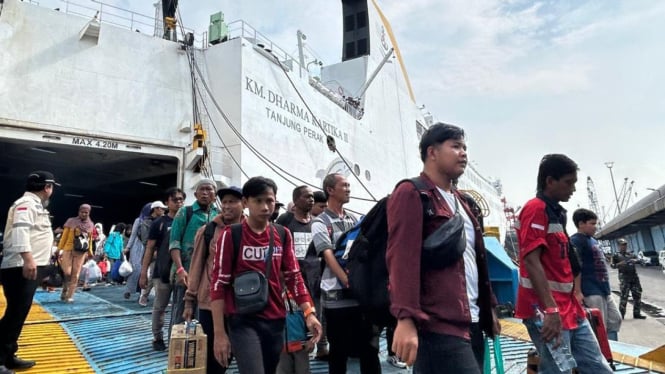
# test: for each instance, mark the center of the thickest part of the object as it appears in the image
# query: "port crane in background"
(626, 194)
(510, 242)
(593, 202)
(624, 197)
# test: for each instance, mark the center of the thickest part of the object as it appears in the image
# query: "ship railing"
(349, 104)
(123, 18)
(243, 29)
(246, 31)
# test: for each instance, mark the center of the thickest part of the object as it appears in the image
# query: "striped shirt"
(326, 229)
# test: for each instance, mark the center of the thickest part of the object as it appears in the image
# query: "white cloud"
(524, 78)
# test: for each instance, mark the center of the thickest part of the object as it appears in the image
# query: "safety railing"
(123, 18)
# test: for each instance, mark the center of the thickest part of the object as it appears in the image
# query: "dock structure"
(101, 332)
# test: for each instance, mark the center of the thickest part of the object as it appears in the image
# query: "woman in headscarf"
(75, 243)
(99, 242)
(135, 248)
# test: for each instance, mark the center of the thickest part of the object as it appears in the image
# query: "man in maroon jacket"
(442, 325)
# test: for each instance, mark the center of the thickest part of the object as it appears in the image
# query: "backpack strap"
(281, 232)
(425, 199)
(208, 233)
(236, 236)
(189, 212)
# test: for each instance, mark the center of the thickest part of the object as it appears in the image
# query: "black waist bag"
(446, 245)
(251, 288)
(251, 292)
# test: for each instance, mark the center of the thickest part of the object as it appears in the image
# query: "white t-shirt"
(470, 266)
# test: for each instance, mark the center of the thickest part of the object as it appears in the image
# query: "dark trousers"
(205, 318)
(256, 343)
(351, 335)
(438, 353)
(478, 343)
(18, 293)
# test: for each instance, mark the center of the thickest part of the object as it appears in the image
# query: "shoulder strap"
(281, 232)
(271, 249)
(208, 233)
(189, 212)
(236, 236)
(424, 196)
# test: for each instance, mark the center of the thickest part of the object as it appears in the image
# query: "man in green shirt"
(183, 231)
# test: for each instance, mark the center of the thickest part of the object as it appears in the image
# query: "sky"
(523, 78)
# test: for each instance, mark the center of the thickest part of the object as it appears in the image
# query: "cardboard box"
(187, 351)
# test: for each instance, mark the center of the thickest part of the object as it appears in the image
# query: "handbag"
(446, 245)
(250, 288)
(81, 243)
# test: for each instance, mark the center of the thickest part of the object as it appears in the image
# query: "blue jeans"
(438, 353)
(583, 346)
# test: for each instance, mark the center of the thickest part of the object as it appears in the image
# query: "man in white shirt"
(27, 248)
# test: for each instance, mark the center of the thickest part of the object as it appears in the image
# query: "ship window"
(349, 23)
(350, 50)
(361, 19)
(356, 169)
(362, 46)
(368, 176)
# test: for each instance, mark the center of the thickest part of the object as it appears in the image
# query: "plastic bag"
(498, 357)
(125, 268)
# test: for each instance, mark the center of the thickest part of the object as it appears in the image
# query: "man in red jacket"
(442, 325)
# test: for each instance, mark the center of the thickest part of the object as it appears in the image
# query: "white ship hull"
(111, 114)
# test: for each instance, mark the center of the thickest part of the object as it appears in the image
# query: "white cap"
(158, 204)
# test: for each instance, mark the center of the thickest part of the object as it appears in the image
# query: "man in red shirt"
(257, 338)
(546, 272)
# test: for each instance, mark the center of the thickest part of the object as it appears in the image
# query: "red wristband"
(551, 310)
(180, 270)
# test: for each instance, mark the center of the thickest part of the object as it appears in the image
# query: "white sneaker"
(395, 361)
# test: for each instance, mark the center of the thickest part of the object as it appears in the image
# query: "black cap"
(232, 190)
(320, 197)
(42, 177)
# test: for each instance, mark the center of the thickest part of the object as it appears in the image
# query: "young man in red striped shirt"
(257, 338)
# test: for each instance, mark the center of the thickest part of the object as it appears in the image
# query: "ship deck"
(101, 332)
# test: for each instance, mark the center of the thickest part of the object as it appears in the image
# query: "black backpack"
(164, 261)
(366, 263)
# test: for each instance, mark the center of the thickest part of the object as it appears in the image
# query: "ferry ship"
(120, 115)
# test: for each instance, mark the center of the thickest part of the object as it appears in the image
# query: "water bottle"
(562, 357)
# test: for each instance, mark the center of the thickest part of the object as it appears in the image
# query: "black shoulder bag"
(446, 245)
(251, 288)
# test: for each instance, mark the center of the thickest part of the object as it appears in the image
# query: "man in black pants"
(27, 248)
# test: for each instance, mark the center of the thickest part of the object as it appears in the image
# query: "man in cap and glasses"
(27, 247)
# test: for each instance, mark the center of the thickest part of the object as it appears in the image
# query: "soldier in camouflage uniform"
(630, 281)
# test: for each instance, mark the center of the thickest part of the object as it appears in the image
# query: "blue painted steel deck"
(115, 336)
